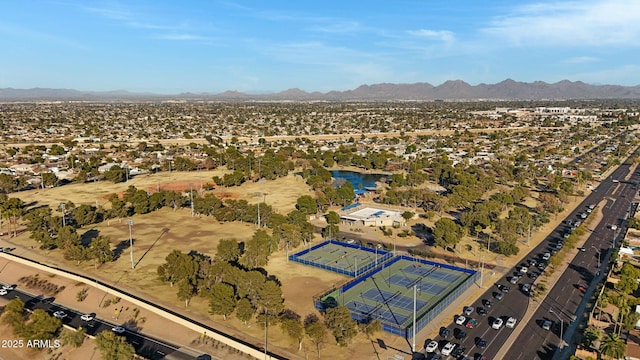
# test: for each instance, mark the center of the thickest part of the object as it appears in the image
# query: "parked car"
(499, 296)
(487, 303)
(481, 311)
(497, 323)
(514, 279)
(511, 322)
(431, 346)
(459, 334)
(447, 349)
(444, 332)
(481, 343)
(3, 292)
(546, 256)
(526, 287)
(460, 319)
(547, 324)
(471, 323)
(458, 351)
(121, 330)
(9, 287)
(468, 310)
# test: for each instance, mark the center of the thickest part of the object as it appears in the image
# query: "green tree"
(100, 250)
(114, 347)
(292, 326)
(315, 331)
(447, 233)
(341, 325)
(332, 218)
(13, 314)
(307, 205)
(73, 338)
(222, 300)
(49, 179)
(613, 346)
(41, 326)
(245, 310)
(116, 174)
(258, 249)
(228, 250)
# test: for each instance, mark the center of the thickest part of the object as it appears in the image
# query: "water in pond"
(357, 179)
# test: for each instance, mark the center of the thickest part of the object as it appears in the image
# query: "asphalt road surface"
(563, 299)
(145, 346)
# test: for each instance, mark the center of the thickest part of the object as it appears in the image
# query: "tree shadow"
(120, 247)
(88, 236)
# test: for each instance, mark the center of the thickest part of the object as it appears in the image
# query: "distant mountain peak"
(507, 89)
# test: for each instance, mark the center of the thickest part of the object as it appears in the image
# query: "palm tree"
(613, 346)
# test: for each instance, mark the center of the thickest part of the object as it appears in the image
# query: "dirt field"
(281, 193)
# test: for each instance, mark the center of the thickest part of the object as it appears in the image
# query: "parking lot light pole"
(561, 346)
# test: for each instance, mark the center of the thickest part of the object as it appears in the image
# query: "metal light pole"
(62, 207)
(413, 339)
(130, 223)
(561, 329)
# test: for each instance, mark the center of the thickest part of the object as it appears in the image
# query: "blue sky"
(269, 46)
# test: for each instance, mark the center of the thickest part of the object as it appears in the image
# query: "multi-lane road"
(562, 302)
(145, 346)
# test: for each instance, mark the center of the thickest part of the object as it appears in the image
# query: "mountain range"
(450, 91)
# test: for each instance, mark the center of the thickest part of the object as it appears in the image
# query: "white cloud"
(440, 35)
(622, 75)
(581, 60)
(569, 23)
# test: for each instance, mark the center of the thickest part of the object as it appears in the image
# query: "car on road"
(582, 249)
(431, 346)
(471, 323)
(3, 292)
(547, 324)
(87, 317)
(468, 310)
(121, 330)
(459, 334)
(60, 314)
(444, 332)
(460, 319)
(497, 323)
(481, 343)
(615, 180)
(511, 322)
(447, 349)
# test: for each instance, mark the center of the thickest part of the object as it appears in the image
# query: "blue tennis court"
(377, 312)
(392, 299)
(423, 286)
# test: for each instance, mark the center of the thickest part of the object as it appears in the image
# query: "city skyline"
(163, 47)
